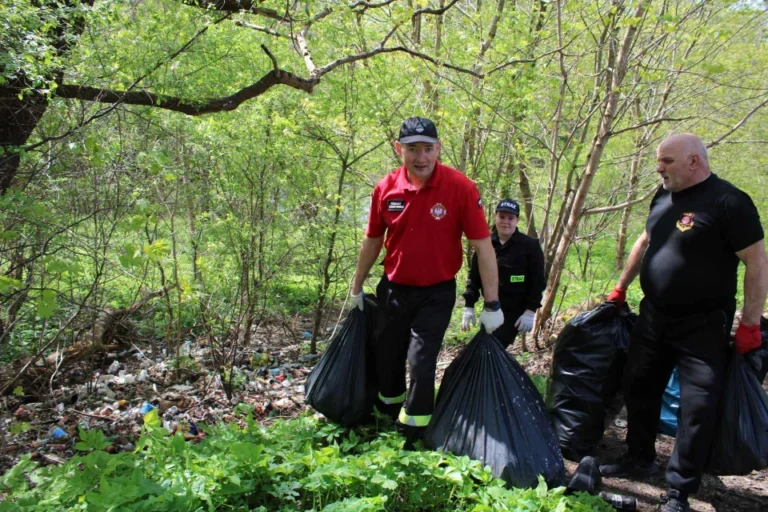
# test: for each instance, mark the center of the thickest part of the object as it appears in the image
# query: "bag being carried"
(587, 368)
(341, 386)
(489, 410)
(741, 438)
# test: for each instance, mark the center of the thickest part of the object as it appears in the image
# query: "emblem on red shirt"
(438, 211)
(686, 221)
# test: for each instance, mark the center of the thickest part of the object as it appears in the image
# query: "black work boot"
(412, 434)
(630, 467)
(674, 501)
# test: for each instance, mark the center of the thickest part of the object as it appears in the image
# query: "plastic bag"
(741, 438)
(670, 406)
(341, 386)
(488, 409)
(587, 367)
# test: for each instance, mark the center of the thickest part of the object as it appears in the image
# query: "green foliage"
(91, 440)
(295, 465)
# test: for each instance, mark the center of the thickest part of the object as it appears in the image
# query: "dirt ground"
(112, 393)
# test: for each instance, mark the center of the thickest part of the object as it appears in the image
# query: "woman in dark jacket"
(521, 276)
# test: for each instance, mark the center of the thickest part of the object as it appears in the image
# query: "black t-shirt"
(690, 264)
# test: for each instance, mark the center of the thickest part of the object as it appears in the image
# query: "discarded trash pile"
(139, 387)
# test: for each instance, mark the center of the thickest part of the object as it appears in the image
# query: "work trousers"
(507, 333)
(698, 344)
(411, 324)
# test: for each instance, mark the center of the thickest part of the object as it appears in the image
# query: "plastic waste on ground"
(741, 439)
(670, 406)
(341, 385)
(489, 409)
(587, 368)
(620, 502)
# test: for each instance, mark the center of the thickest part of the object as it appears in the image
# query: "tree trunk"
(18, 119)
(598, 145)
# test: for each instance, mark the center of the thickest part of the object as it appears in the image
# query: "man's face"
(506, 223)
(674, 166)
(419, 158)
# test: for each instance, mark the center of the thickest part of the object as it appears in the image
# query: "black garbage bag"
(587, 368)
(741, 440)
(488, 409)
(342, 384)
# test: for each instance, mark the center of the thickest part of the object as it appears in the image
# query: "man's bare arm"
(369, 251)
(755, 281)
(634, 261)
(489, 270)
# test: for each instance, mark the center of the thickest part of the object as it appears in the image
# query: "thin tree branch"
(266, 30)
(364, 55)
(187, 106)
(234, 6)
(738, 125)
(649, 122)
(613, 208)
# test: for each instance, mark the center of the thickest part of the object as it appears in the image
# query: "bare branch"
(621, 206)
(187, 106)
(738, 125)
(649, 122)
(369, 5)
(239, 6)
(266, 30)
(365, 55)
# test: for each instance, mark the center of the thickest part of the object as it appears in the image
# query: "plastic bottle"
(620, 502)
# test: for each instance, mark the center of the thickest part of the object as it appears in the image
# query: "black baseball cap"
(508, 205)
(418, 129)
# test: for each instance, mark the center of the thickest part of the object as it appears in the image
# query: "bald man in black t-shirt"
(698, 229)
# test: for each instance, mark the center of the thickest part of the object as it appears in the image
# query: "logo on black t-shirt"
(686, 221)
(395, 205)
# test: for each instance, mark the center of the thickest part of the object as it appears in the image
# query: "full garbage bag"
(489, 409)
(758, 363)
(342, 384)
(741, 439)
(587, 368)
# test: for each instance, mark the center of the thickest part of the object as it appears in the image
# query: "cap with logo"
(509, 206)
(418, 129)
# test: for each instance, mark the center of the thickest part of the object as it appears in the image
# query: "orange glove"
(747, 338)
(618, 296)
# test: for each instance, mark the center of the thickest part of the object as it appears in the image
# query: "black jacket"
(521, 274)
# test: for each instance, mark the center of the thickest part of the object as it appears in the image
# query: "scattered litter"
(114, 367)
(58, 433)
(146, 407)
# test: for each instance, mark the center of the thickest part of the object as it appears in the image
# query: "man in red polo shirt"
(423, 208)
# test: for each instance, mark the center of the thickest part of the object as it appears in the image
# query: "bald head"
(689, 144)
(682, 161)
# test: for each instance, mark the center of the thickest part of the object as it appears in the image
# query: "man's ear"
(398, 148)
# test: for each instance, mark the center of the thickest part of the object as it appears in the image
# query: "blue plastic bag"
(670, 406)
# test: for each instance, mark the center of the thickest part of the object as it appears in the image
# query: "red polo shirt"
(424, 226)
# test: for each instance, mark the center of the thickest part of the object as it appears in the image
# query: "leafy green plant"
(301, 464)
(91, 440)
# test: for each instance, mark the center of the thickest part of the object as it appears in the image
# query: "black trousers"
(698, 344)
(507, 333)
(411, 324)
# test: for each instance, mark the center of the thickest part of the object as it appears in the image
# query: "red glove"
(747, 338)
(617, 295)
